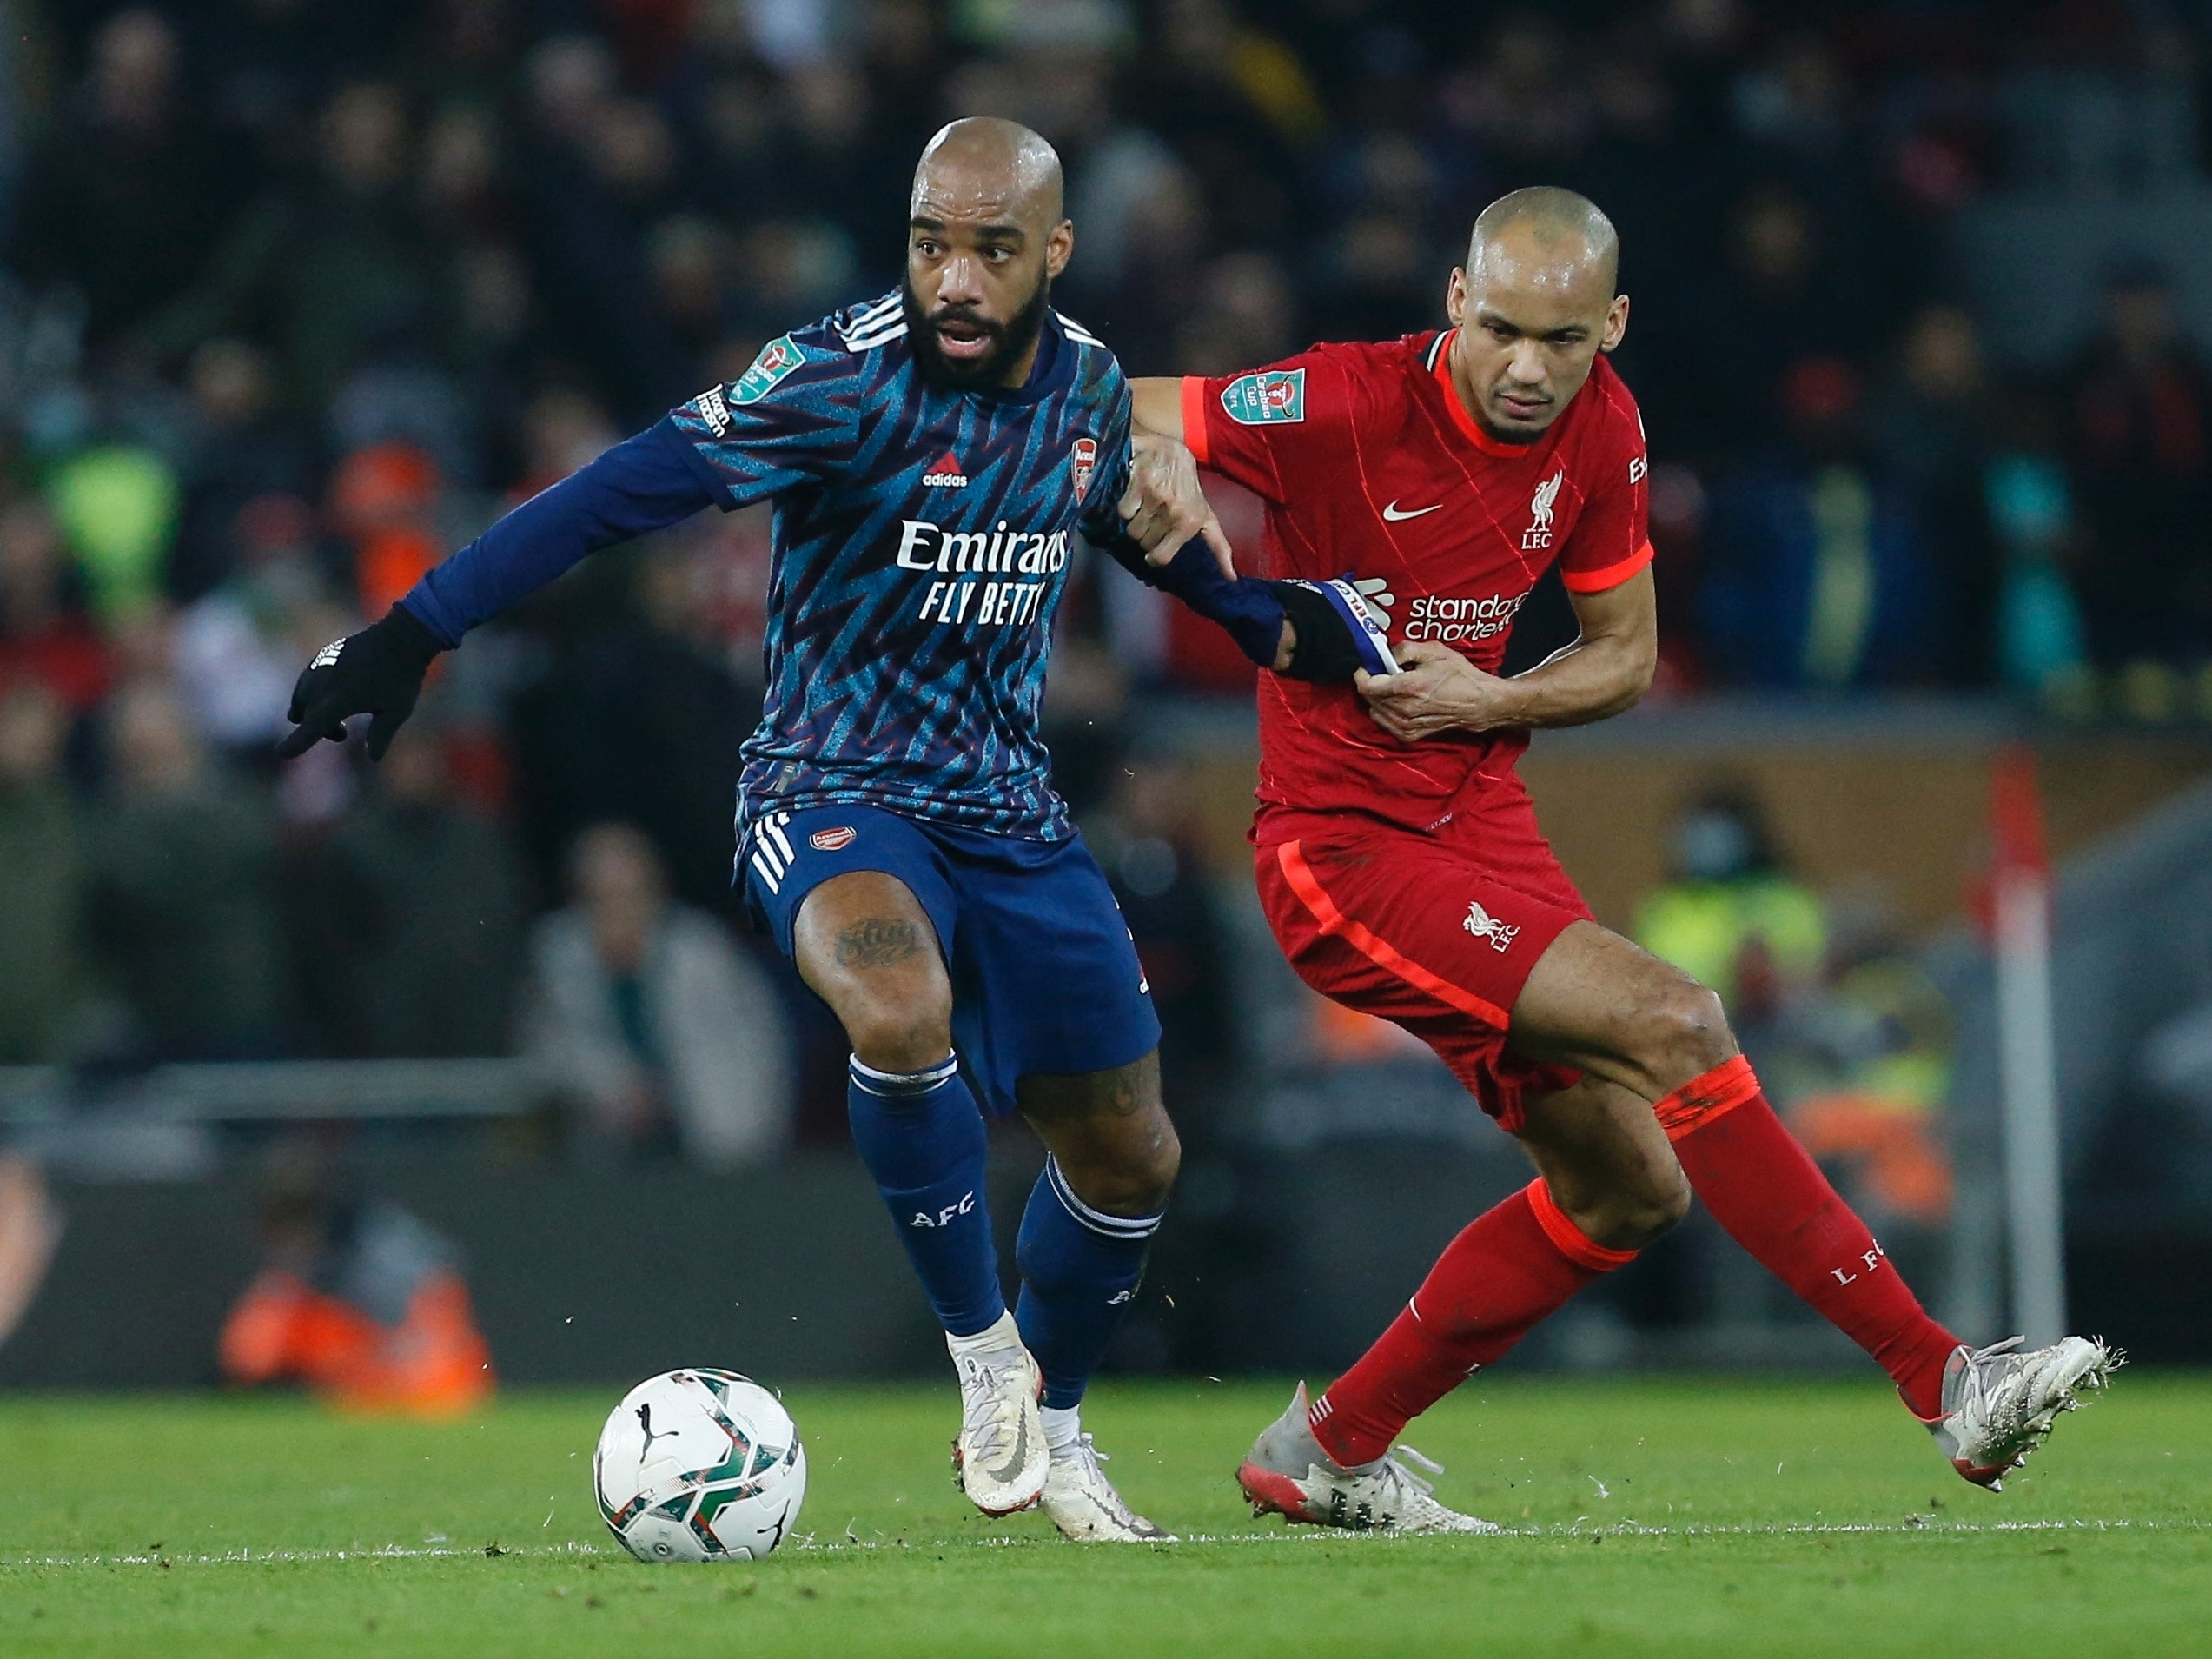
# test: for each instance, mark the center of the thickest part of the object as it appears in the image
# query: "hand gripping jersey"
(921, 543)
(1369, 464)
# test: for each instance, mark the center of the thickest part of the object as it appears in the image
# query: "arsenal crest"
(1086, 460)
(833, 840)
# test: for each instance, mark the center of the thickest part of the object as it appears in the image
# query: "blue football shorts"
(1045, 978)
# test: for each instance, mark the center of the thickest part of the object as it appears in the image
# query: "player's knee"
(1153, 1170)
(1636, 1209)
(902, 1035)
(1135, 1178)
(1686, 1032)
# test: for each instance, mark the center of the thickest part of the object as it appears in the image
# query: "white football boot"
(1000, 1459)
(1084, 1505)
(1999, 1405)
(1286, 1473)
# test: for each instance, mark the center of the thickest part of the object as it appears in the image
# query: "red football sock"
(1506, 1271)
(1764, 1189)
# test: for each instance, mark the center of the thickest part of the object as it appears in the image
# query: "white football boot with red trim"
(1286, 1473)
(1999, 1405)
(1000, 1457)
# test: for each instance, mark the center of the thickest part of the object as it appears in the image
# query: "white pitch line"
(806, 1545)
(247, 1558)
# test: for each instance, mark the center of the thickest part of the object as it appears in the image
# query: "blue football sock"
(1080, 1269)
(921, 1138)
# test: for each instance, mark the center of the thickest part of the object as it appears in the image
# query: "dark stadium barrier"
(791, 1271)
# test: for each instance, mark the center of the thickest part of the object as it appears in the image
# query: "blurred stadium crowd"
(295, 294)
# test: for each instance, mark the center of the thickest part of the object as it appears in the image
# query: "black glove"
(1337, 629)
(377, 671)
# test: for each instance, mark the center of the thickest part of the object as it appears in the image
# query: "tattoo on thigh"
(877, 943)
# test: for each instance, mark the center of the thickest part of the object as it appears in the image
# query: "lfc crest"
(1500, 932)
(1541, 508)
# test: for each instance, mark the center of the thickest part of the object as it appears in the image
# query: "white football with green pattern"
(699, 1465)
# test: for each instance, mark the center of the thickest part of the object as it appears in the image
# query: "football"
(699, 1465)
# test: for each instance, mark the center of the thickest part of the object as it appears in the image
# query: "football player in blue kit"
(931, 456)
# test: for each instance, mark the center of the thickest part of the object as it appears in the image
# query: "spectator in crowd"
(243, 447)
(415, 940)
(599, 170)
(182, 878)
(356, 1298)
(2028, 499)
(1932, 433)
(335, 263)
(2141, 448)
(128, 193)
(1147, 841)
(1865, 1070)
(42, 970)
(238, 648)
(1730, 916)
(1769, 294)
(1815, 577)
(385, 498)
(115, 502)
(645, 1015)
(561, 430)
(44, 634)
(645, 721)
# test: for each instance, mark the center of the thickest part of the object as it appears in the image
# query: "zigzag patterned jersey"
(920, 544)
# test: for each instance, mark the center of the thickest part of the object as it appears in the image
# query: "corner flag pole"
(2028, 1059)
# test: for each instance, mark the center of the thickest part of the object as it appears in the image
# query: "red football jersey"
(1369, 464)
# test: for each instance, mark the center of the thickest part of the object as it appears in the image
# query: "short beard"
(1011, 340)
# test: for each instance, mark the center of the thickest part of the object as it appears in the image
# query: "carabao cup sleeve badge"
(1270, 395)
(777, 359)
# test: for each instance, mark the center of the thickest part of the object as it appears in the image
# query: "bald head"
(1551, 229)
(986, 235)
(983, 161)
(1534, 306)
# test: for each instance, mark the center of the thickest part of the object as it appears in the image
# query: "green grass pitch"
(1676, 1516)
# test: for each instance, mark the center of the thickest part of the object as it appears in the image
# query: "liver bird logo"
(1540, 508)
(1539, 505)
(1482, 925)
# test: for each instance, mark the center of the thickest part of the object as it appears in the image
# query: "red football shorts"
(1436, 933)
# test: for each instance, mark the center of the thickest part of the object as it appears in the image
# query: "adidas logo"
(945, 474)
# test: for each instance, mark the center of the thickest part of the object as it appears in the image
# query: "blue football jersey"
(921, 546)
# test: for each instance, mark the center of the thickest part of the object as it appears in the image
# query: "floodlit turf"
(1685, 1517)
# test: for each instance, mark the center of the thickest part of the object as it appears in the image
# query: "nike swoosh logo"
(1392, 515)
(1012, 1466)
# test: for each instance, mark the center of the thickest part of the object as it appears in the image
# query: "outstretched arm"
(645, 483)
(1166, 535)
(1600, 674)
(1251, 611)
(1299, 629)
(1321, 632)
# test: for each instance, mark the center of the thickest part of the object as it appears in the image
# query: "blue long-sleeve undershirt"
(643, 484)
(1246, 607)
(655, 479)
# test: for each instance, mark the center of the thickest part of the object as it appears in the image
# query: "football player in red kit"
(1401, 868)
